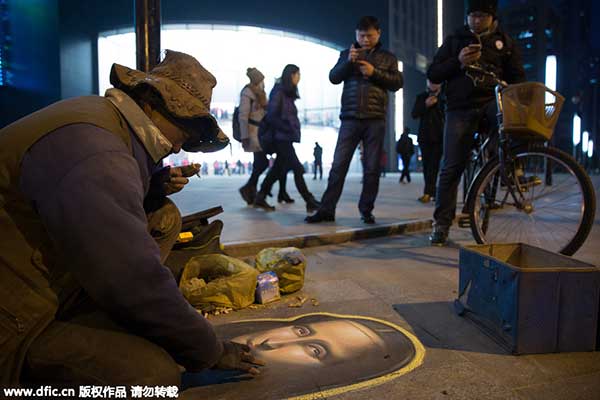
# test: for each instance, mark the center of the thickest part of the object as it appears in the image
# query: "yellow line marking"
(415, 362)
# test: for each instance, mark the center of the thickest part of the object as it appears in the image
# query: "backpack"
(235, 123)
(266, 137)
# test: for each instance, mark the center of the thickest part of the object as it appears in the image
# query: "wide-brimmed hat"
(185, 87)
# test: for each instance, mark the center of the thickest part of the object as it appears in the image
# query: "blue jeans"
(371, 132)
(458, 142)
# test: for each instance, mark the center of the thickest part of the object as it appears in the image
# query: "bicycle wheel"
(548, 201)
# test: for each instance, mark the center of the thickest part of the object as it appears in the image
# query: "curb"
(250, 248)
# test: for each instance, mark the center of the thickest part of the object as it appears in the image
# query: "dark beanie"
(486, 6)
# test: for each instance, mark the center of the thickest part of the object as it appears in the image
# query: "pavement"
(400, 279)
(397, 204)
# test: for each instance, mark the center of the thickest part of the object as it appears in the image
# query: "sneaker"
(248, 194)
(260, 202)
(438, 237)
(367, 218)
(319, 216)
(425, 199)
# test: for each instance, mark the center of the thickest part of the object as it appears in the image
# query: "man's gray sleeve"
(88, 192)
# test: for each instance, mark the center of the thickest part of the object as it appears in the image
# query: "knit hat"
(486, 6)
(255, 75)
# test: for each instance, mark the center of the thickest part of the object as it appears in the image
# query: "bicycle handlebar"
(480, 70)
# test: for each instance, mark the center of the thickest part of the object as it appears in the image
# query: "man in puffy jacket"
(368, 72)
(469, 97)
(85, 227)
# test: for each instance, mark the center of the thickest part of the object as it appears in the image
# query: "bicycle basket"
(531, 109)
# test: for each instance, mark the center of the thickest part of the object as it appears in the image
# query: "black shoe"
(367, 218)
(248, 194)
(260, 202)
(284, 198)
(312, 205)
(319, 216)
(438, 237)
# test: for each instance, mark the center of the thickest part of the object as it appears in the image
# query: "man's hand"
(366, 68)
(469, 55)
(179, 177)
(431, 101)
(237, 356)
(353, 54)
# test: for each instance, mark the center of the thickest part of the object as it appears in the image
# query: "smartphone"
(362, 54)
(475, 46)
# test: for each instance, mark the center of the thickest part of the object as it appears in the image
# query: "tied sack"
(216, 280)
(288, 263)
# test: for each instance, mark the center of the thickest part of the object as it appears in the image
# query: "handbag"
(266, 132)
(266, 137)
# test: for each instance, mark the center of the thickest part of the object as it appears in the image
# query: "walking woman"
(252, 109)
(282, 116)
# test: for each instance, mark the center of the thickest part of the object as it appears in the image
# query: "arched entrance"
(226, 51)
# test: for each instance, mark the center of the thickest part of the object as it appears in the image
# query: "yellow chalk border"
(413, 364)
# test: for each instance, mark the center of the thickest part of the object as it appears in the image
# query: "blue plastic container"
(528, 299)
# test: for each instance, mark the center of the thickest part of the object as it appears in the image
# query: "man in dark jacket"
(470, 98)
(85, 228)
(368, 72)
(405, 148)
(318, 153)
(429, 110)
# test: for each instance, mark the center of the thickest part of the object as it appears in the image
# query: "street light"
(585, 141)
(591, 149)
(399, 106)
(576, 130)
(440, 22)
(550, 77)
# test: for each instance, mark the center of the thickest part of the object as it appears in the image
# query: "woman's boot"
(284, 198)
(261, 202)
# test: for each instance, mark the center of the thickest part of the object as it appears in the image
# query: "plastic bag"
(288, 263)
(216, 280)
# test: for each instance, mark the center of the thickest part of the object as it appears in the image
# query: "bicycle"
(478, 157)
(530, 193)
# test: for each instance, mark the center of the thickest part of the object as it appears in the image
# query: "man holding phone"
(368, 72)
(469, 97)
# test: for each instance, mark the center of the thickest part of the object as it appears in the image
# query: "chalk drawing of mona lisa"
(317, 355)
